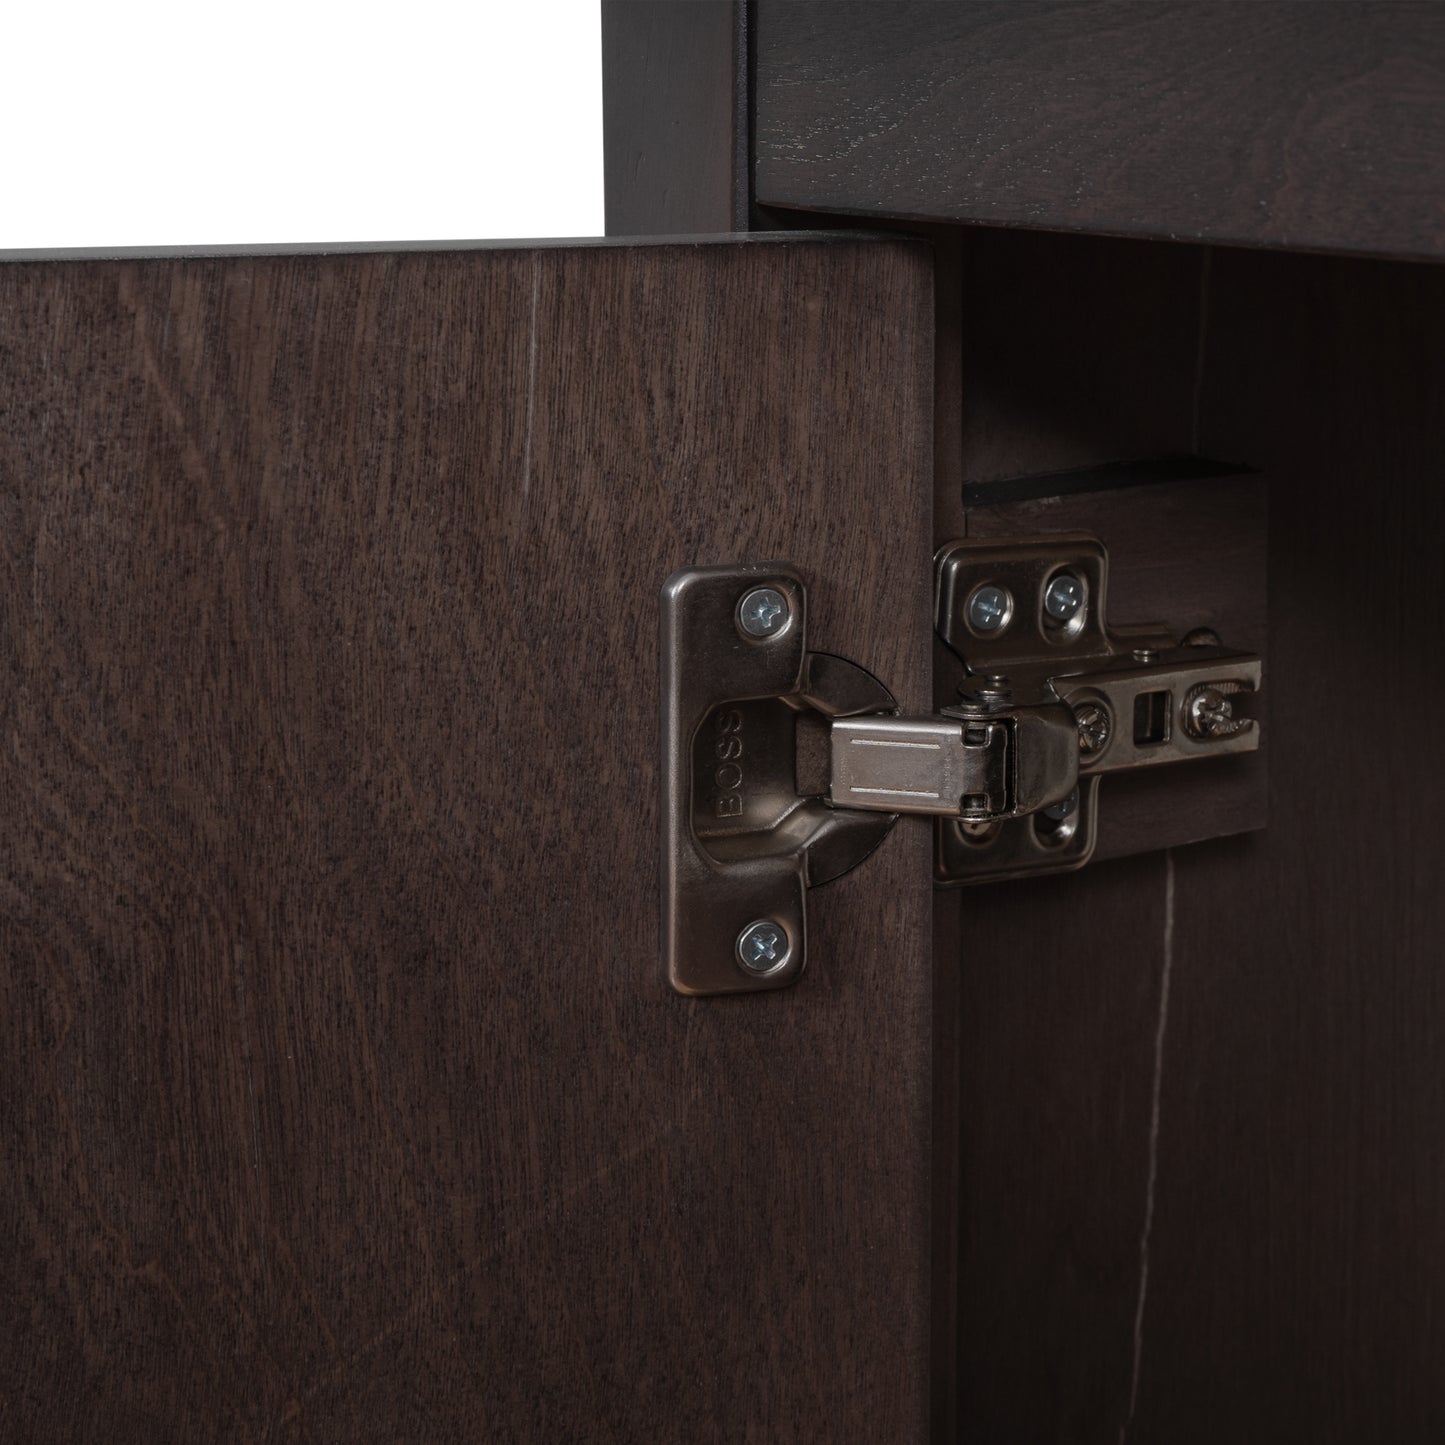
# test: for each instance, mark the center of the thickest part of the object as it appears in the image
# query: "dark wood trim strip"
(675, 110)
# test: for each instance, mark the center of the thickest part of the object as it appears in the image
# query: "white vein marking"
(1166, 970)
(531, 384)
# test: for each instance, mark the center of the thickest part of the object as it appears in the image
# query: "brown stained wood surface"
(344, 1095)
(1201, 1196)
(675, 116)
(1059, 989)
(1299, 1240)
(1272, 123)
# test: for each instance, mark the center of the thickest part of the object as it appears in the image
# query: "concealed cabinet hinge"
(784, 768)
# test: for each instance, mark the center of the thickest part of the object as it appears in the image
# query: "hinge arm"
(977, 767)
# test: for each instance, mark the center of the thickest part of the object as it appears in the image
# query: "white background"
(164, 123)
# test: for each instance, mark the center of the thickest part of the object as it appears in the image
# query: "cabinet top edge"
(371, 248)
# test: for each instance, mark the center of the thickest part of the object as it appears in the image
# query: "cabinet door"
(345, 1095)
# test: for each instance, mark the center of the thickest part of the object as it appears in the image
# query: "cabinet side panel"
(1298, 1250)
(1201, 1192)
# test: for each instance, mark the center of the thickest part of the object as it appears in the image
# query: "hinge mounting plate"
(744, 834)
(1136, 697)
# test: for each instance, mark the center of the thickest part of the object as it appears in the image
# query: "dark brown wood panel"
(1078, 351)
(675, 116)
(1201, 1196)
(1268, 124)
(1299, 1241)
(1060, 986)
(345, 1095)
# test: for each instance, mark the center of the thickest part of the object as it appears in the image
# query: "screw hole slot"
(1055, 826)
(1152, 714)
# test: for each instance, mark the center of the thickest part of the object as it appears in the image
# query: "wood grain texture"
(345, 1096)
(1263, 124)
(675, 116)
(1201, 1192)
(1299, 1241)
(1060, 983)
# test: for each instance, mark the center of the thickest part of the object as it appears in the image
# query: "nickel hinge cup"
(742, 841)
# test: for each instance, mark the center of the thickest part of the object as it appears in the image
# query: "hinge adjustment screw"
(1208, 713)
(986, 694)
(1094, 727)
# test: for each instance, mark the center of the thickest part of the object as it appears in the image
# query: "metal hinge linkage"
(784, 768)
(1073, 699)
